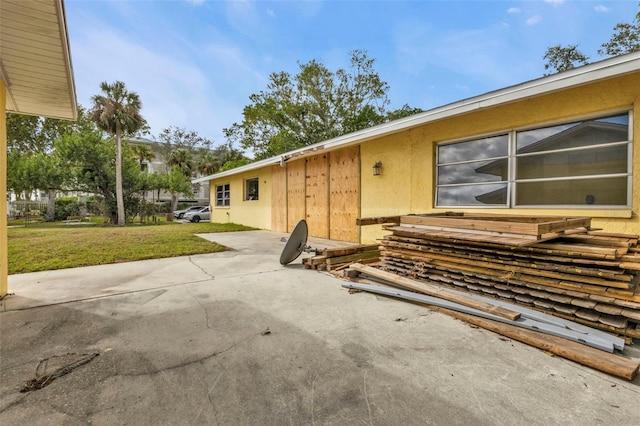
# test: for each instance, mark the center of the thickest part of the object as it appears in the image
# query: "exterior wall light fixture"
(377, 167)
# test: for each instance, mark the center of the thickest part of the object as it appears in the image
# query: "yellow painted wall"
(255, 213)
(407, 181)
(3, 191)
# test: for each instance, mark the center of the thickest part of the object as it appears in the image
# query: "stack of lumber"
(336, 259)
(584, 345)
(555, 265)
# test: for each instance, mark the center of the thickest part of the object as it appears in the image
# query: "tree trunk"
(51, 206)
(174, 202)
(119, 194)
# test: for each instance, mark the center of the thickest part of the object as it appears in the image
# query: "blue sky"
(195, 63)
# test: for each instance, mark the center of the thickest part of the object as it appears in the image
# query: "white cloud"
(195, 2)
(271, 13)
(173, 92)
(513, 10)
(601, 8)
(554, 2)
(534, 20)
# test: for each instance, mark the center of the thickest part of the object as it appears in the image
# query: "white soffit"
(35, 59)
(598, 71)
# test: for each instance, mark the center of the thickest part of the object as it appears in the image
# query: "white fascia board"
(586, 74)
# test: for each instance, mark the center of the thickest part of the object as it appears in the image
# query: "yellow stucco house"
(561, 145)
(36, 78)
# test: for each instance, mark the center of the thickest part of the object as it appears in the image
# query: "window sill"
(623, 213)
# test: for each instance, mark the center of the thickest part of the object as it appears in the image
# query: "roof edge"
(601, 70)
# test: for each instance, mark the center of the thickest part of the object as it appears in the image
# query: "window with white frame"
(223, 195)
(251, 189)
(583, 163)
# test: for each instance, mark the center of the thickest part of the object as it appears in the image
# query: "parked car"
(179, 214)
(198, 215)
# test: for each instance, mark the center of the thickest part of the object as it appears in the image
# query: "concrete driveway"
(234, 338)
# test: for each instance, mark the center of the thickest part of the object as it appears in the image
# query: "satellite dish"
(296, 244)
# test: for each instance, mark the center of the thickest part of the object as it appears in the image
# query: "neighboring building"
(561, 145)
(200, 191)
(32, 31)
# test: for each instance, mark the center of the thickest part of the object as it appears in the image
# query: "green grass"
(47, 246)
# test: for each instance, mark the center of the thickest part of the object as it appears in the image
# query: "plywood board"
(317, 195)
(344, 194)
(279, 199)
(296, 203)
(511, 224)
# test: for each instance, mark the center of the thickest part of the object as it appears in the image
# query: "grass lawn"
(47, 246)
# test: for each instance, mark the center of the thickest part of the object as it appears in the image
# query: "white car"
(198, 215)
(179, 214)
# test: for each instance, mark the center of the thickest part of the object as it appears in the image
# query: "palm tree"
(182, 158)
(117, 112)
(208, 163)
(142, 153)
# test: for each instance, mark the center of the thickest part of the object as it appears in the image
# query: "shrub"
(65, 207)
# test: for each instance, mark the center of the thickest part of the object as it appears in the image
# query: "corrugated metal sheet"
(35, 60)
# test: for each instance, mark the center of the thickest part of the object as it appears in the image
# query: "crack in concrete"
(206, 312)
(366, 396)
(192, 362)
(201, 268)
(213, 406)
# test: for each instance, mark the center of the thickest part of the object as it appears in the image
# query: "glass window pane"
(473, 195)
(480, 171)
(577, 192)
(572, 135)
(497, 146)
(597, 161)
(251, 189)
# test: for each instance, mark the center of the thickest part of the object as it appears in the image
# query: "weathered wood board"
(344, 194)
(296, 191)
(279, 199)
(317, 195)
(511, 224)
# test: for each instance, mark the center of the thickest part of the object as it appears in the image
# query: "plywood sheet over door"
(344, 196)
(278, 199)
(317, 195)
(296, 202)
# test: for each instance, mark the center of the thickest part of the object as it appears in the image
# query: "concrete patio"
(234, 338)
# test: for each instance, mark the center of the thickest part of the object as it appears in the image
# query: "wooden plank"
(504, 223)
(373, 254)
(317, 195)
(602, 361)
(279, 199)
(296, 199)
(344, 194)
(365, 221)
(341, 251)
(435, 291)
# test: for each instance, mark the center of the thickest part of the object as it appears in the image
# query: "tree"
(182, 159)
(179, 137)
(312, 106)
(142, 153)
(47, 172)
(92, 169)
(405, 111)
(625, 39)
(177, 183)
(117, 112)
(562, 58)
(208, 163)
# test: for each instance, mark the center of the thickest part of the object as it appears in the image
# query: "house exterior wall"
(406, 184)
(255, 213)
(3, 190)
